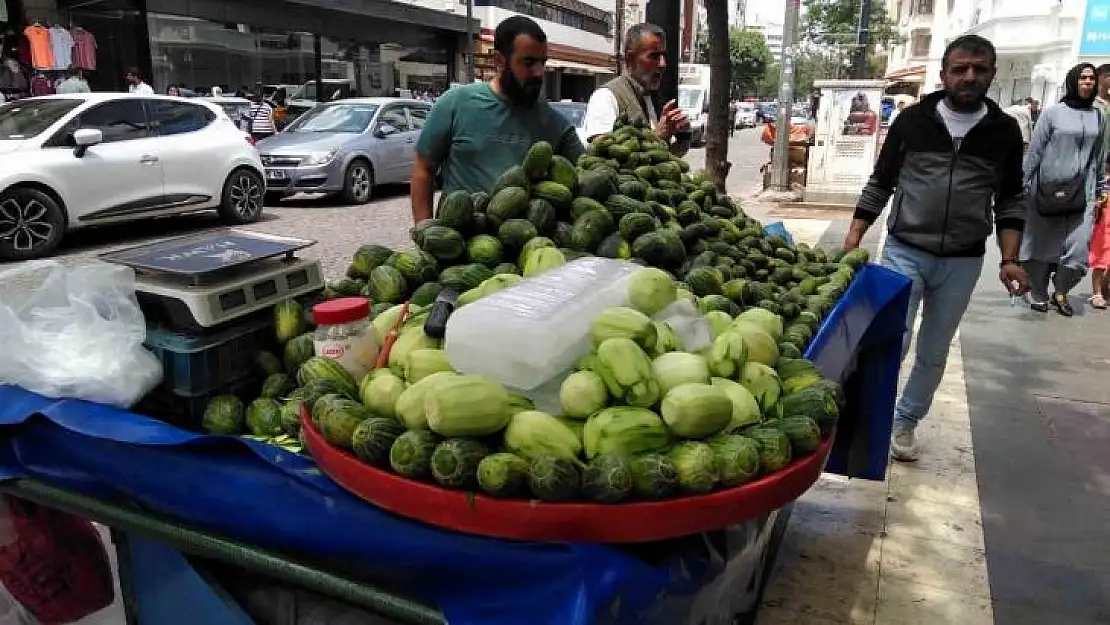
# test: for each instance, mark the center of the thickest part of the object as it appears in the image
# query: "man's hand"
(1014, 279)
(852, 241)
(856, 230)
(671, 121)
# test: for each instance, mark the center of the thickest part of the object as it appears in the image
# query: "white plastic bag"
(75, 332)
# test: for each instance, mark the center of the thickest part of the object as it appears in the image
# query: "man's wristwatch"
(1008, 261)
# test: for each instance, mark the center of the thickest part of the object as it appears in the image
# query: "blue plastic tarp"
(264, 496)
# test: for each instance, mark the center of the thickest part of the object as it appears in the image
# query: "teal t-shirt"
(475, 136)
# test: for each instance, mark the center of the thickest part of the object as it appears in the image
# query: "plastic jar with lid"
(345, 334)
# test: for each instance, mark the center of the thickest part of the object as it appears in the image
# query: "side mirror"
(385, 130)
(85, 138)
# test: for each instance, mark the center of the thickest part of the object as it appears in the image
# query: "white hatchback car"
(79, 160)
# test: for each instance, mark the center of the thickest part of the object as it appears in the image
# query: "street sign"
(1095, 37)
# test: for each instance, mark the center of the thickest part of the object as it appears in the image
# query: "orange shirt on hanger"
(42, 57)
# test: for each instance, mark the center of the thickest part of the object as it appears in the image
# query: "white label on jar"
(357, 354)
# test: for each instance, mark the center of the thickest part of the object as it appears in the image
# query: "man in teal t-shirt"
(475, 132)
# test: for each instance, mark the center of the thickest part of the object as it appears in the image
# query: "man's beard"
(649, 81)
(524, 94)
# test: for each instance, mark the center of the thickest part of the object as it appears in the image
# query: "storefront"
(363, 47)
(572, 73)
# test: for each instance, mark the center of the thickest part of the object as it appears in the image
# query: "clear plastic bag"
(75, 332)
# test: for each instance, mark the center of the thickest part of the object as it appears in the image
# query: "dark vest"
(630, 98)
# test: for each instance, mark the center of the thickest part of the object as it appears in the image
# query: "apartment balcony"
(1026, 27)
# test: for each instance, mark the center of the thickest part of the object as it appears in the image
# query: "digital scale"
(200, 282)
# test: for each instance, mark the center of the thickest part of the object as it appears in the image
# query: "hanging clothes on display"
(84, 48)
(41, 85)
(42, 55)
(61, 47)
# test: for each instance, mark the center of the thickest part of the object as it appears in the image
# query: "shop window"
(119, 120)
(174, 118)
(583, 17)
(920, 42)
(924, 7)
(200, 55)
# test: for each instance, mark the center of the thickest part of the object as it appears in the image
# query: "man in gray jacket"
(949, 161)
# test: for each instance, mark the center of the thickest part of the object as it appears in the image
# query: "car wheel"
(358, 183)
(31, 224)
(273, 197)
(242, 198)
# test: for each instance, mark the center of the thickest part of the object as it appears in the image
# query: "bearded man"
(475, 132)
(645, 60)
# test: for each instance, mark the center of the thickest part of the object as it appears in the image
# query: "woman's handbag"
(1057, 198)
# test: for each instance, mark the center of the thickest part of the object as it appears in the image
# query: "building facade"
(1037, 42)
(353, 47)
(767, 20)
(580, 36)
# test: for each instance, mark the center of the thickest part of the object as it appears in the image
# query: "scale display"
(206, 253)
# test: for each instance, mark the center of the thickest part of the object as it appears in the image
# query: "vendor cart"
(171, 496)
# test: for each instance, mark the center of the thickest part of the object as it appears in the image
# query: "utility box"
(846, 142)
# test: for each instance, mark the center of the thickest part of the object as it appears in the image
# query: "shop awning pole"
(193, 542)
(470, 35)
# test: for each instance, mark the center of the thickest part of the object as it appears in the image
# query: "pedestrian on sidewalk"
(475, 132)
(1099, 256)
(74, 82)
(946, 160)
(260, 116)
(135, 83)
(1023, 112)
(1063, 171)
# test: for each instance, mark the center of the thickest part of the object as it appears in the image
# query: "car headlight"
(320, 158)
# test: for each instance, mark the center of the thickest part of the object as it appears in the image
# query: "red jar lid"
(342, 310)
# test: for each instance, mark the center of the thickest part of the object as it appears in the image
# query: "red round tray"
(564, 522)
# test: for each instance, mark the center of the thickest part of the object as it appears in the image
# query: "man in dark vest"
(645, 58)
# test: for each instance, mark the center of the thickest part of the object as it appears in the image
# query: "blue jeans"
(942, 287)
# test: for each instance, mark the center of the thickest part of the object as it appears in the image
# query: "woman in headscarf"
(1063, 173)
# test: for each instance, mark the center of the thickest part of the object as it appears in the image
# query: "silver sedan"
(344, 148)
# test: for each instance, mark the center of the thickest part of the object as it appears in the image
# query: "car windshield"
(352, 118)
(29, 118)
(688, 97)
(574, 113)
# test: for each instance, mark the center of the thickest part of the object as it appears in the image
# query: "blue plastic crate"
(197, 364)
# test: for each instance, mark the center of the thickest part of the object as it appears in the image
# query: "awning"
(914, 73)
(578, 68)
(914, 78)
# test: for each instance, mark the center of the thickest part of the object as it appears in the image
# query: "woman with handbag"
(1063, 171)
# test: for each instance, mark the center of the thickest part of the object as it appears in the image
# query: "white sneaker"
(903, 447)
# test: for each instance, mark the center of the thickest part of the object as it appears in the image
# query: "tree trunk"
(716, 140)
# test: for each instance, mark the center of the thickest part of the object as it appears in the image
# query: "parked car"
(767, 112)
(575, 112)
(747, 116)
(78, 160)
(345, 148)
